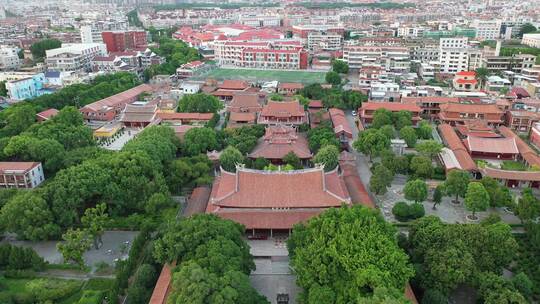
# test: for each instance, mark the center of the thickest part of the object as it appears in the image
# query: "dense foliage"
(38, 48)
(214, 261)
(176, 53)
(345, 254)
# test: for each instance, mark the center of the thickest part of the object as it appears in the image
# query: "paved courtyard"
(272, 274)
(119, 142)
(115, 246)
(447, 211)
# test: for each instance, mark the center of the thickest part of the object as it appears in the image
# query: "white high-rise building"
(74, 56)
(456, 42)
(90, 35)
(487, 29)
(9, 58)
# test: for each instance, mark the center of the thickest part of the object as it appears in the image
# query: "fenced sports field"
(263, 75)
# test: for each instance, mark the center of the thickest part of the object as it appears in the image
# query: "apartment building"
(414, 31)
(74, 57)
(515, 63)
(324, 41)
(302, 31)
(454, 60)
(454, 42)
(260, 20)
(532, 40)
(90, 34)
(119, 41)
(389, 58)
(26, 175)
(263, 55)
(27, 88)
(487, 29)
(9, 59)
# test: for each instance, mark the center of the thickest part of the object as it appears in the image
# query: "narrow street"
(362, 162)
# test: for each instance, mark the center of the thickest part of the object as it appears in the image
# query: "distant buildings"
(74, 57)
(120, 41)
(284, 54)
(532, 40)
(9, 58)
(26, 88)
(26, 175)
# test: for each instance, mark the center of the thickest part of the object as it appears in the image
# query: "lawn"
(267, 75)
(513, 165)
(63, 291)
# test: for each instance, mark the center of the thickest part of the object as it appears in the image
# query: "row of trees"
(213, 261)
(176, 53)
(335, 97)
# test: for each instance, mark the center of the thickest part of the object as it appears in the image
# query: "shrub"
(401, 211)
(20, 258)
(404, 212)
(416, 210)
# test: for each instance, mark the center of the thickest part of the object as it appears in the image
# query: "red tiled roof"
(229, 84)
(309, 188)
(466, 73)
(454, 143)
(283, 109)
(471, 108)
(527, 153)
(501, 145)
(391, 106)
(186, 116)
(17, 166)
(245, 101)
(279, 141)
(161, 290)
(118, 99)
(242, 116)
(315, 104)
(197, 201)
(47, 113)
(339, 121)
(257, 219)
(533, 176)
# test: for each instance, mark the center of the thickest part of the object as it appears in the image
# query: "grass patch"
(67, 266)
(267, 75)
(513, 165)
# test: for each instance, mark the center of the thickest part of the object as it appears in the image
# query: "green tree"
(380, 180)
(321, 136)
(199, 103)
(409, 136)
(340, 66)
(481, 75)
(429, 148)
(76, 243)
(371, 142)
(28, 215)
(527, 28)
(327, 155)
(424, 130)
(199, 140)
(523, 284)
(381, 117)
(402, 119)
(94, 220)
(260, 163)
(499, 196)
(416, 190)
(230, 157)
(388, 130)
(3, 89)
(38, 48)
(293, 160)
(421, 166)
(477, 198)
(528, 207)
(456, 183)
(368, 258)
(333, 78)
(438, 195)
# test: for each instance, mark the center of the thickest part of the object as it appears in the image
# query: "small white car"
(353, 113)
